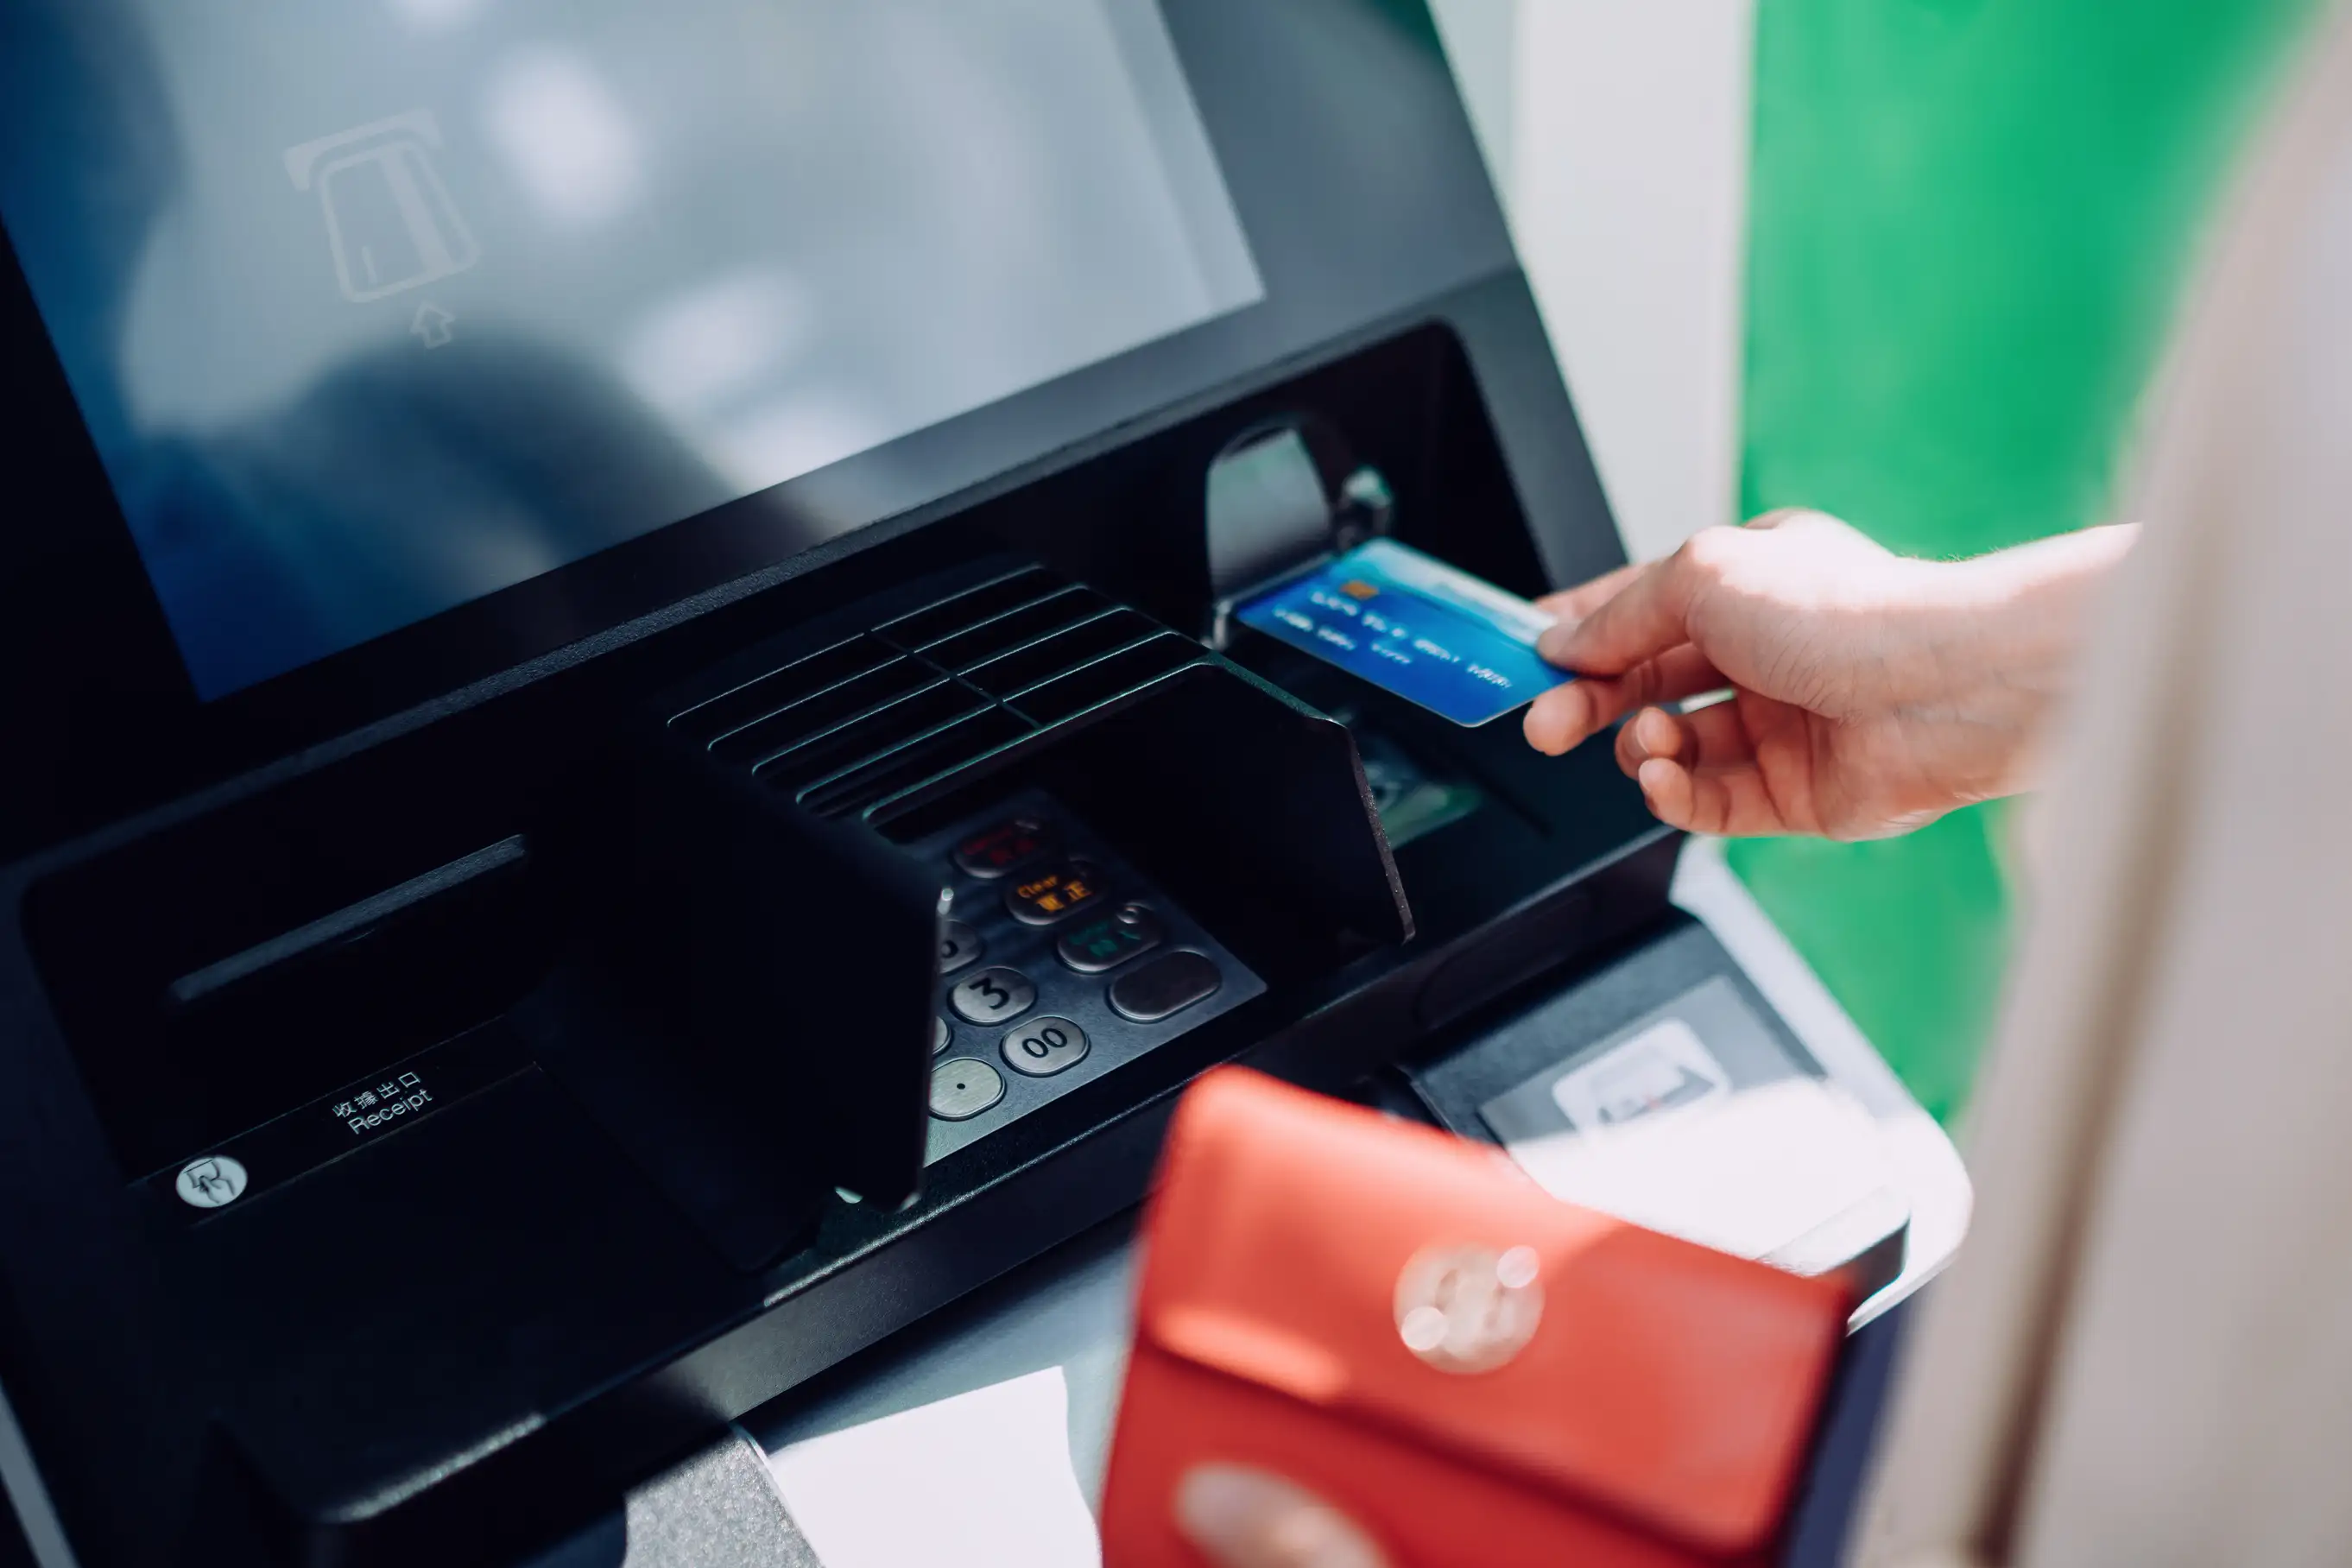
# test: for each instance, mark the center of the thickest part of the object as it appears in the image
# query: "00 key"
(1043, 1046)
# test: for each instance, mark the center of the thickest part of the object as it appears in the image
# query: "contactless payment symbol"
(211, 1182)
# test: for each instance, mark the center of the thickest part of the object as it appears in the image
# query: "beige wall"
(1618, 133)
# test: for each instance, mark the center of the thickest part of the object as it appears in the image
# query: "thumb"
(1645, 619)
(1246, 1518)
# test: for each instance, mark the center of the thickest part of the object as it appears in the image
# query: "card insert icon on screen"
(390, 223)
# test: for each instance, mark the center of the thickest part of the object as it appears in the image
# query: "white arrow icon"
(432, 325)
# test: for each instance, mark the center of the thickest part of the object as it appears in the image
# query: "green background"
(1970, 220)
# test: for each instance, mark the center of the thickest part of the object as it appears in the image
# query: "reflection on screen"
(375, 307)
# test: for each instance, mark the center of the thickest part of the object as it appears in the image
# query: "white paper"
(977, 1481)
(1663, 1070)
(1746, 1172)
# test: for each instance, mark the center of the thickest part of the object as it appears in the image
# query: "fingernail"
(1554, 641)
(1648, 776)
(1657, 734)
(1214, 1501)
(1248, 1518)
(1551, 723)
(1224, 1508)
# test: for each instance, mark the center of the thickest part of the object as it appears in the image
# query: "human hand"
(1870, 693)
(1241, 1518)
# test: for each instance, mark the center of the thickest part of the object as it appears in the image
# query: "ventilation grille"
(888, 709)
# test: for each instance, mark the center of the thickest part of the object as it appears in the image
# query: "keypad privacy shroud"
(1061, 993)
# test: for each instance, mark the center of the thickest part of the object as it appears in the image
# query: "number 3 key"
(991, 996)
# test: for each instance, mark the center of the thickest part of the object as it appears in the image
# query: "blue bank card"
(1433, 634)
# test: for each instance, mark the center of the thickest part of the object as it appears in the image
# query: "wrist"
(2016, 624)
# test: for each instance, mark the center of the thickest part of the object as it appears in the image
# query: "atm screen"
(374, 309)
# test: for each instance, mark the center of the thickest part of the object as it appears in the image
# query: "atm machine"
(624, 768)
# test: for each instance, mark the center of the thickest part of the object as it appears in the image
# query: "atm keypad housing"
(1043, 943)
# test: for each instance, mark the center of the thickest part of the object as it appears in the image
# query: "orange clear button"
(1052, 893)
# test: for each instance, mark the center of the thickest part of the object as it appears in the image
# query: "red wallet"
(1401, 1322)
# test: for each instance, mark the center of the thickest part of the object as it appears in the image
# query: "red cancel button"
(993, 852)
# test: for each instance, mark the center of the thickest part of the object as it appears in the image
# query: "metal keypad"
(1099, 945)
(992, 995)
(960, 946)
(1041, 986)
(1043, 1046)
(1051, 892)
(1000, 846)
(1164, 988)
(962, 1088)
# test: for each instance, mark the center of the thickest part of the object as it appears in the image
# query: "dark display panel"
(1343, 154)
(373, 310)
